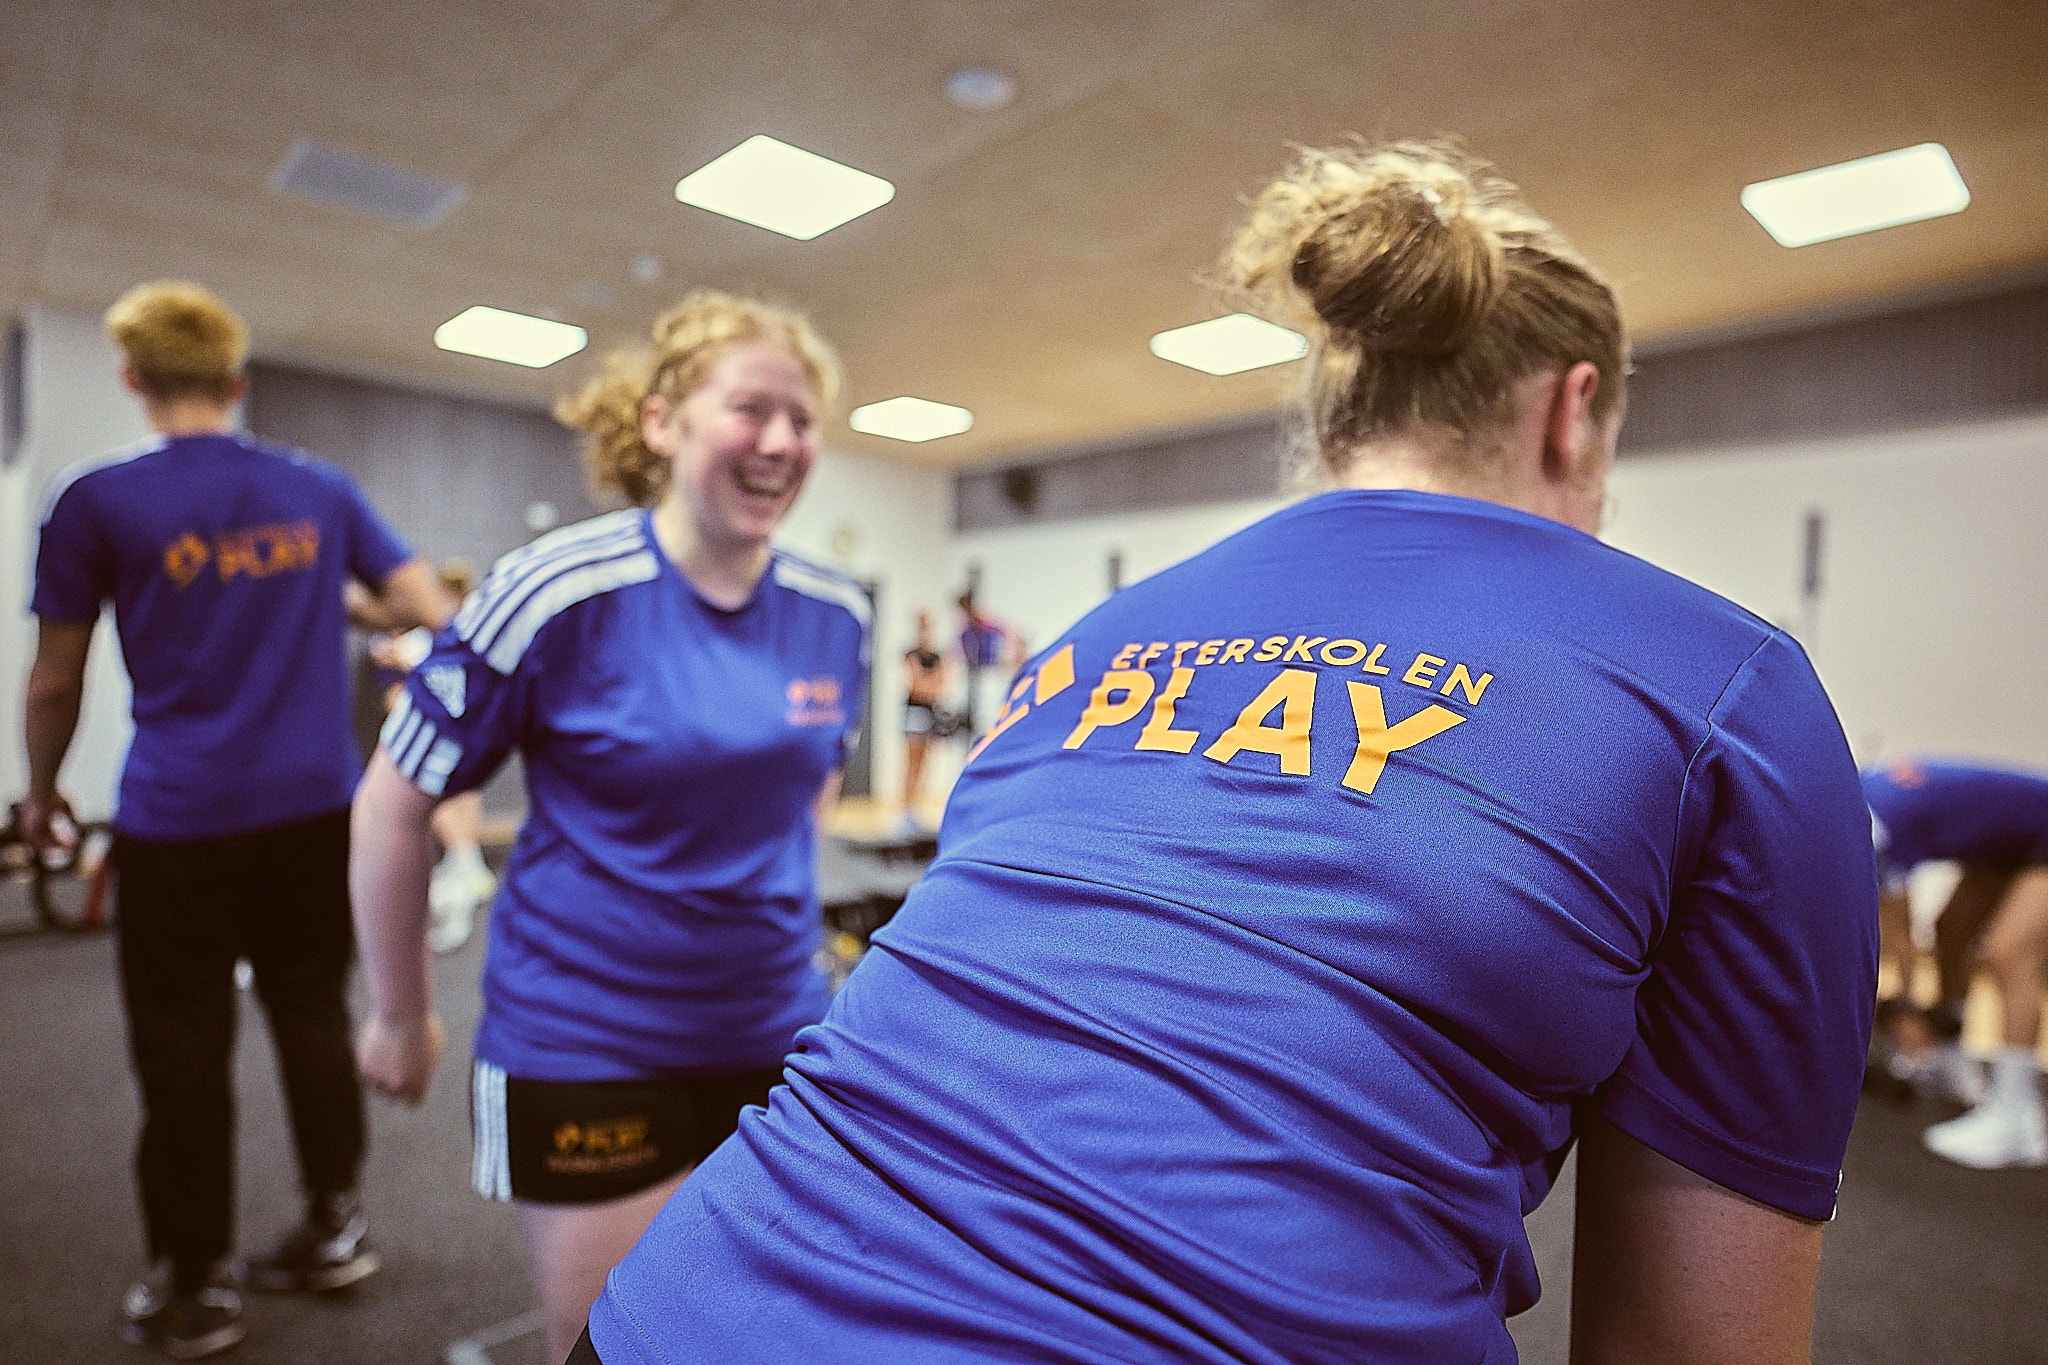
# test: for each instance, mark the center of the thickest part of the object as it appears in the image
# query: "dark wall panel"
(1928, 366)
(1223, 465)
(454, 476)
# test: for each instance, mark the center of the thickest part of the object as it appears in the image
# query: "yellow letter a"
(1294, 691)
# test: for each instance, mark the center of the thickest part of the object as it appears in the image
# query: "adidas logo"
(447, 683)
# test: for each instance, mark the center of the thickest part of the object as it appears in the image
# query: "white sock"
(2014, 1078)
(466, 857)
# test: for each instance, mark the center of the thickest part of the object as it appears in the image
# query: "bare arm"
(391, 857)
(1672, 1269)
(56, 687)
(409, 596)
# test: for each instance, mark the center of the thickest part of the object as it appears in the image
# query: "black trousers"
(185, 912)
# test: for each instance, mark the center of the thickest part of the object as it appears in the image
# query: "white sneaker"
(1944, 1072)
(1994, 1135)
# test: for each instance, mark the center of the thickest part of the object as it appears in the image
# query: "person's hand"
(397, 1056)
(47, 823)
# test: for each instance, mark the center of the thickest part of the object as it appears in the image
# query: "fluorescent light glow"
(514, 338)
(783, 188)
(910, 419)
(1858, 196)
(1229, 345)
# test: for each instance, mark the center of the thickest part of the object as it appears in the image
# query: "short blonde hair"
(1428, 290)
(688, 340)
(180, 338)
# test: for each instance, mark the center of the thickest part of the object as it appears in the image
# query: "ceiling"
(1029, 253)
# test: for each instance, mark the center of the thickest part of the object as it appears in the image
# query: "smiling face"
(740, 444)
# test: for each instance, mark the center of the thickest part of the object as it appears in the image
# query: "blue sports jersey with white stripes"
(659, 914)
(1298, 898)
(224, 558)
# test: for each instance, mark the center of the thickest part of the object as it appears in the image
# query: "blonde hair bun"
(1425, 284)
(179, 337)
(1402, 271)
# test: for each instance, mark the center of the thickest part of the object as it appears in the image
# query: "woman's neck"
(724, 574)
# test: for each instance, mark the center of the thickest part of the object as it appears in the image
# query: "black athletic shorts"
(587, 1142)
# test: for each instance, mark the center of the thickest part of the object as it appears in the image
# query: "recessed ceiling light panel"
(783, 188)
(1858, 196)
(1229, 345)
(514, 338)
(910, 419)
(981, 88)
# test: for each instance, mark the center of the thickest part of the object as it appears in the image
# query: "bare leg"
(572, 1247)
(2015, 949)
(914, 747)
(1977, 896)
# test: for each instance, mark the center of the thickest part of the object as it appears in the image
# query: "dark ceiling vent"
(329, 175)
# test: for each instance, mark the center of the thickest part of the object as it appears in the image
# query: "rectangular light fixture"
(1229, 345)
(783, 188)
(514, 338)
(1864, 195)
(910, 419)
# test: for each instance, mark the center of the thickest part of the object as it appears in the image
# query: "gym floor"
(1926, 1262)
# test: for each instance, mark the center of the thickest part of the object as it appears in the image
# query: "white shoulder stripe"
(560, 593)
(398, 727)
(812, 581)
(73, 473)
(441, 760)
(482, 632)
(514, 572)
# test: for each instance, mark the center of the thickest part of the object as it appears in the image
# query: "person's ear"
(236, 389)
(131, 380)
(1571, 434)
(654, 426)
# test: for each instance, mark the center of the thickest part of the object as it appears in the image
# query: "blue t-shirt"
(1297, 898)
(1921, 812)
(659, 914)
(225, 559)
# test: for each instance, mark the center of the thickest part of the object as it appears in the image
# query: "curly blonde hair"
(1427, 288)
(688, 340)
(180, 338)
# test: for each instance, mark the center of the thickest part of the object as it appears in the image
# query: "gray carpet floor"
(1927, 1264)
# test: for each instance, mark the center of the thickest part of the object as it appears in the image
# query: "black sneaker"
(182, 1326)
(330, 1250)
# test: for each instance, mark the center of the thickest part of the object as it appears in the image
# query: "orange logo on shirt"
(185, 558)
(249, 552)
(814, 701)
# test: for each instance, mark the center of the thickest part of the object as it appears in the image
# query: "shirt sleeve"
(72, 573)
(456, 719)
(374, 549)
(1752, 1024)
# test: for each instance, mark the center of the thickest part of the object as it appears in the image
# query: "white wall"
(888, 524)
(1932, 624)
(74, 409)
(1042, 578)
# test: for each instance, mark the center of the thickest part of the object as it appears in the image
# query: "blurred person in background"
(225, 560)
